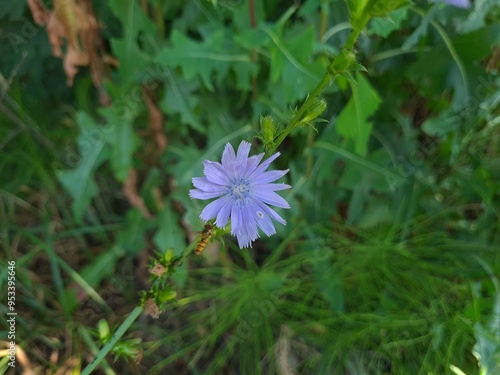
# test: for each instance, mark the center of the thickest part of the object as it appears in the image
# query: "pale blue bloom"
(243, 189)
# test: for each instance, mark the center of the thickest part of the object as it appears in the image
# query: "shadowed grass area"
(362, 306)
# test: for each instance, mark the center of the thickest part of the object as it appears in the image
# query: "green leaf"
(475, 20)
(120, 135)
(329, 282)
(421, 30)
(169, 234)
(486, 349)
(103, 266)
(455, 66)
(352, 122)
(293, 72)
(440, 126)
(207, 60)
(132, 239)
(383, 26)
(134, 22)
(79, 182)
(180, 98)
(377, 180)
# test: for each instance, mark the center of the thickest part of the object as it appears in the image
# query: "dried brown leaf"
(72, 22)
(73, 59)
(130, 191)
(39, 12)
(156, 123)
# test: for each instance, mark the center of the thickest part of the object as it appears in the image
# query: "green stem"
(118, 334)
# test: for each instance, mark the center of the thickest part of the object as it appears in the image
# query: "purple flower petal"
(271, 187)
(271, 198)
(249, 228)
(269, 176)
(228, 158)
(225, 211)
(211, 210)
(265, 208)
(202, 183)
(264, 222)
(236, 221)
(252, 163)
(215, 173)
(200, 194)
(241, 159)
(261, 168)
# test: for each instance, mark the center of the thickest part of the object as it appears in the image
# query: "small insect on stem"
(206, 234)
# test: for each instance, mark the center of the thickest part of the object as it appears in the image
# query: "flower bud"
(268, 129)
(166, 295)
(313, 112)
(343, 62)
(103, 329)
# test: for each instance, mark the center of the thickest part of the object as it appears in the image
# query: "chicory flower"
(244, 192)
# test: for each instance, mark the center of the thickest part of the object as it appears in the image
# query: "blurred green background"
(389, 261)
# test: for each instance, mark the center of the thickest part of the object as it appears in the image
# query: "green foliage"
(79, 182)
(352, 122)
(392, 22)
(127, 50)
(389, 260)
(212, 58)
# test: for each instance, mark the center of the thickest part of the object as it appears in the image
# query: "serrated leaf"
(180, 98)
(383, 26)
(475, 20)
(292, 69)
(252, 38)
(211, 58)
(120, 135)
(421, 30)
(352, 122)
(132, 58)
(79, 182)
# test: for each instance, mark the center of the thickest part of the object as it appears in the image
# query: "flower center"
(238, 190)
